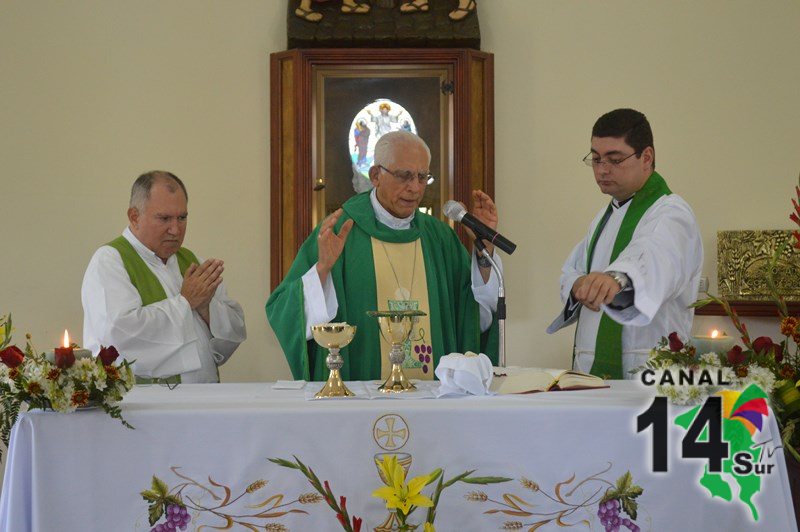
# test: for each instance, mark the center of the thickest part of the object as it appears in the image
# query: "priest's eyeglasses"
(405, 176)
(592, 159)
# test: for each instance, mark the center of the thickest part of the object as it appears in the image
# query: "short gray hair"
(384, 148)
(140, 191)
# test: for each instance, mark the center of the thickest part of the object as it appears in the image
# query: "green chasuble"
(608, 346)
(454, 313)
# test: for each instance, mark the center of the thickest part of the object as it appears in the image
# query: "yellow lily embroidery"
(397, 493)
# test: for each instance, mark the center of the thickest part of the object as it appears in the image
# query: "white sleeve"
(160, 337)
(226, 324)
(574, 267)
(485, 293)
(319, 301)
(665, 254)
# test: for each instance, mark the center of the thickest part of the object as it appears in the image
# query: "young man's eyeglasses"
(405, 176)
(594, 160)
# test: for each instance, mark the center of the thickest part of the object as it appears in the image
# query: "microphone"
(456, 212)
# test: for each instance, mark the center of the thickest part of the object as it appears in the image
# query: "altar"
(222, 451)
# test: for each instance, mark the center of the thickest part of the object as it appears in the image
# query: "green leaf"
(610, 494)
(630, 506)
(173, 499)
(634, 491)
(434, 475)
(159, 487)
(155, 511)
(485, 480)
(702, 302)
(150, 495)
(457, 478)
(283, 463)
(624, 482)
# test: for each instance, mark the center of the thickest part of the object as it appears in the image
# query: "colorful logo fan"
(748, 407)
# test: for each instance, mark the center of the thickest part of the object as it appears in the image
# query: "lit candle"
(67, 352)
(66, 348)
(716, 342)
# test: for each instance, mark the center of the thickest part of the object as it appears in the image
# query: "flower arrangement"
(738, 368)
(773, 366)
(63, 385)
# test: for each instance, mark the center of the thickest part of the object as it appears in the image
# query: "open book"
(529, 380)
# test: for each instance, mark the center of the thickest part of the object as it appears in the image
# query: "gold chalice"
(334, 336)
(396, 326)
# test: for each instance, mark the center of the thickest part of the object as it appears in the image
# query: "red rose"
(764, 345)
(64, 358)
(12, 356)
(736, 355)
(675, 343)
(108, 355)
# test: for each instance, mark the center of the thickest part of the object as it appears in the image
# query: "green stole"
(149, 287)
(454, 317)
(608, 346)
(145, 281)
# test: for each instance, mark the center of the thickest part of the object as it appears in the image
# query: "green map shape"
(739, 440)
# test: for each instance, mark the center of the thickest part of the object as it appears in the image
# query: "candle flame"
(66, 338)
(714, 333)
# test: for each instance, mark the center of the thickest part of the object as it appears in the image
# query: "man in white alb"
(630, 280)
(153, 299)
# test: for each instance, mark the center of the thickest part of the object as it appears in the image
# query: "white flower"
(686, 394)
(31, 371)
(762, 377)
(711, 359)
(89, 373)
(4, 378)
(60, 397)
(128, 377)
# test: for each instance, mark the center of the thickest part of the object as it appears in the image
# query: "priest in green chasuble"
(631, 280)
(380, 252)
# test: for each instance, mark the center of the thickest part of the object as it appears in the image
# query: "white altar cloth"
(85, 471)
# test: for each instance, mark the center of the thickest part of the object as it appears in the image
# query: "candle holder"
(334, 336)
(713, 344)
(77, 352)
(395, 327)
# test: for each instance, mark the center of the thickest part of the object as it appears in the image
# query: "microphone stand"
(501, 304)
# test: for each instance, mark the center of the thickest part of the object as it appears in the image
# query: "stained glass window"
(369, 124)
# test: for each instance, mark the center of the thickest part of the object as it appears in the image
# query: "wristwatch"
(622, 280)
(483, 262)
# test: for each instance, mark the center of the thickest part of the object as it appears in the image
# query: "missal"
(530, 380)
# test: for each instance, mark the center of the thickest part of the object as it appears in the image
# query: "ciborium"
(396, 327)
(334, 336)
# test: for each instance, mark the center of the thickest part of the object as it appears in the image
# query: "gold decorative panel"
(742, 261)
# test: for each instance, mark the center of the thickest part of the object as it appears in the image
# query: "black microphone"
(456, 212)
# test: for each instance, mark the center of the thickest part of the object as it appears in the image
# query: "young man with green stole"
(379, 252)
(153, 299)
(631, 280)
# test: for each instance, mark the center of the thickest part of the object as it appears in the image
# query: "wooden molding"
(765, 309)
(292, 110)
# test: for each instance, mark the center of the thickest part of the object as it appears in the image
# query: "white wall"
(718, 81)
(93, 92)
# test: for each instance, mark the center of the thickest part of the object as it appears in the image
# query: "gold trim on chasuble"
(402, 285)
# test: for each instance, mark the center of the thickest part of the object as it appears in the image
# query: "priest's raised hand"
(200, 283)
(330, 244)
